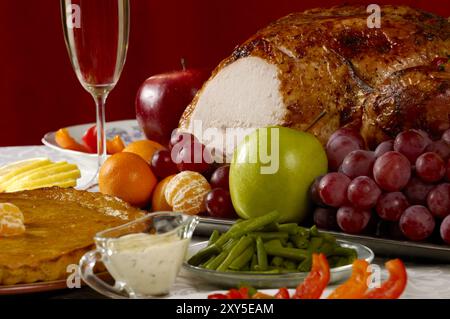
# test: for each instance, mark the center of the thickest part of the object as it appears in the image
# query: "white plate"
(128, 130)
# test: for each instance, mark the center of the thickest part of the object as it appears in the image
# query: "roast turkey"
(325, 68)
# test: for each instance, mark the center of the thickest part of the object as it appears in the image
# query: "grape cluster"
(186, 153)
(404, 183)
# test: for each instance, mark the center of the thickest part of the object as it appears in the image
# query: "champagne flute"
(96, 34)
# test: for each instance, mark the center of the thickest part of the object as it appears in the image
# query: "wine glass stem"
(100, 101)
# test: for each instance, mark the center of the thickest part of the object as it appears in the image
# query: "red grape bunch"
(404, 182)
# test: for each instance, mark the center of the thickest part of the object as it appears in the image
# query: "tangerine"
(144, 148)
(159, 202)
(127, 176)
(186, 192)
(11, 220)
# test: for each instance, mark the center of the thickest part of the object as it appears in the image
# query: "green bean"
(270, 235)
(254, 262)
(315, 244)
(237, 250)
(229, 244)
(302, 231)
(204, 254)
(327, 249)
(291, 253)
(277, 261)
(217, 261)
(289, 264)
(290, 228)
(209, 261)
(272, 227)
(247, 226)
(343, 261)
(289, 245)
(261, 254)
(214, 236)
(243, 259)
(300, 241)
(344, 251)
(314, 232)
(305, 265)
(258, 272)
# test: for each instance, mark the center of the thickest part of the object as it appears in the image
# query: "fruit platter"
(298, 165)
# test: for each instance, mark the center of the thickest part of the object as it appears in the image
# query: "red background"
(38, 88)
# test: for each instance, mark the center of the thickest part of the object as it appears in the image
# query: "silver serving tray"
(380, 246)
(290, 280)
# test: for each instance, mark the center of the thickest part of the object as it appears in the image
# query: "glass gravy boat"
(143, 256)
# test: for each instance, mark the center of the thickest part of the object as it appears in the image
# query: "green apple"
(272, 169)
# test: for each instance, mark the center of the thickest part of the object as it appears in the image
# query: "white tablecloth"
(425, 280)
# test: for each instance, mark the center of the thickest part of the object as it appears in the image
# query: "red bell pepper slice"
(356, 286)
(316, 281)
(393, 287)
(283, 293)
(90, 139)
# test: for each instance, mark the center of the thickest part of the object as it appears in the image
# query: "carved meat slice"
(318, 69)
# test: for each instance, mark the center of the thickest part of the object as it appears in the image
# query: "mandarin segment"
(11, 220)
(186, 192)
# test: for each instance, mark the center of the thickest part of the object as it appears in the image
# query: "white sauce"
(145, 264)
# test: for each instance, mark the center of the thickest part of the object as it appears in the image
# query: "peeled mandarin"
(186, 192)
(128, 177)
(159, 202)
(11, 220)
(144, 148)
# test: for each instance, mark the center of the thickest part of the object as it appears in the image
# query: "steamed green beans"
(262, 245)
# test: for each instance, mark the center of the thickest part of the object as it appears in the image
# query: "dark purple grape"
(446, 136)
(358, 163)
(430, 167)
(194, 157)
(352, 220)
(363, 192)
(325, 218)
(424, 134)
(351, 133)
(220, 177)
(441, 148)
(416, 191)
(333, 189)
(180, 138)
(445, 230)
(438, 201)
(392, 171)
(417, 223)
(162, 164)
(314, 192)
(218, 204)
(338, 148)
(411, 144)
(384, 147)
(447, 174)
(390, 206)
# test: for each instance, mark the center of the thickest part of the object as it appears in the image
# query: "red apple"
(162, 98)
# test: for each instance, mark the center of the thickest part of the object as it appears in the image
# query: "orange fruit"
(159, 202)
(186, 192)
(11, 220)
(128, 177)
(144, 148)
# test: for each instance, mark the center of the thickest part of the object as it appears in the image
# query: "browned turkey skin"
(380, 81)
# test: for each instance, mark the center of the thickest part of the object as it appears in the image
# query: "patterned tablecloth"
(426, 280)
